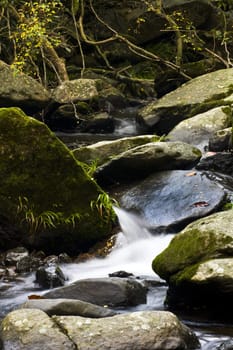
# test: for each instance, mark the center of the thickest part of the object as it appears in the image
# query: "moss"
(188, 248)
(34, 164)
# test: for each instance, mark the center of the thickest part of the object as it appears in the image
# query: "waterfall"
(134, 251)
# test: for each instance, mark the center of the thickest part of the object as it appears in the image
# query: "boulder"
(198, 130)
(75, 90)
(144, 160)
(32, 329)
(134, 331)
(114, 291)
(198, 265)
(103, 151)
(221, 140)
(187, 195)
(18, 89)
(50, 277)
(206, 238)
(45, 192)
(196, 96)
(68, 307)
(220, 162)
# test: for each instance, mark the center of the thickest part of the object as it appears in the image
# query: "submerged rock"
(113, 291)
(169, 200)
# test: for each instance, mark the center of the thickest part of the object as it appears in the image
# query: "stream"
(134, 251)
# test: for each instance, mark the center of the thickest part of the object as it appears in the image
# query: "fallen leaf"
(34, 296)
(191, 174)
(200, 204)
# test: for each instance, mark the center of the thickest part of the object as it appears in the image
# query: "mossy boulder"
(103, 151)
(45, 192)
(196, 96)
(207, 238)
(198, 266)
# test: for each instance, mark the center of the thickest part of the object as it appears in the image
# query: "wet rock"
(168, 200)
(221, 140)
(103, 291)
(15, 255)
(28, 329)
(219, 162)
(68, 307)
(146, 159)
(121, 274)
(133, 331)
(28, 264)
(50, 277)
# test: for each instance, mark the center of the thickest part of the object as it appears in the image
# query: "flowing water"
(135, 249)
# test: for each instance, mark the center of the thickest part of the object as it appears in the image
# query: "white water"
(135, 249)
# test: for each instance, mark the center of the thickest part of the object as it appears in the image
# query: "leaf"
(192, 173)
(200, 204)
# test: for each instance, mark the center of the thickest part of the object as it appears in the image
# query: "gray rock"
(221, 140)
(75, 90)
(185, 196)
(31, 329)
(68, 307)
(19, 90)
(103, 291)
(13, 256)
(198, 130)
(196, 96)
(150, 330)
(103, 151)
(50, 277)
(146, 159)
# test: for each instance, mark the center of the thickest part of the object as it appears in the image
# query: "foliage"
(45, 220)
(104, 206)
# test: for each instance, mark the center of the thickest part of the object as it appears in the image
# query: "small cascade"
(133, 227)
(134, 251)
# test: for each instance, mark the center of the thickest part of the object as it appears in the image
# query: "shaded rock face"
(219, 162)
(166, 205)
(40, 176)
(20, 90)
(146, 159)
(198, 266)
(68, 307)
(103, 291)
(186, 101)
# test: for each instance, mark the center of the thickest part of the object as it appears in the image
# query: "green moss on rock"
(36, 166)
(204, 239)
